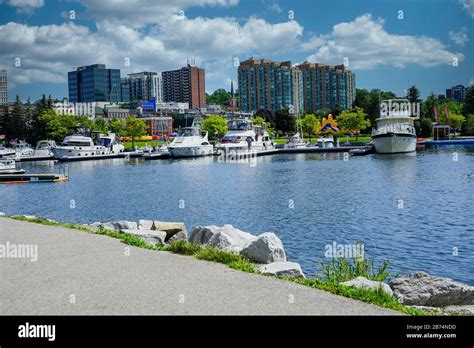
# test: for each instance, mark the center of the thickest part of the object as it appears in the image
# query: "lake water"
(415, 210)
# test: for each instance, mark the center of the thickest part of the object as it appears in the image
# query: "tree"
(116, 126)
(283, 121)
(55, 127)
(428, 105)
(18, 124)
(134, 127)
(455, 120)
(310, 124)
(413, 94)
(468, 107)
(468, 126)
(219, 97)
(353, 120)
(100, 125)
(258, 120)
(362, 99)
(215, 125)
(426, 127)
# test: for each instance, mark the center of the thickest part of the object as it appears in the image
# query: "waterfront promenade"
(78, 273)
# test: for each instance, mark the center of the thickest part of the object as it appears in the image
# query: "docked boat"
(241, 133)
(191, 143)
(79, 144)
(22, 150)
(296, 142)
(44, 148)
(8, 166)
(326, 142)
(6, 152)
(395, 132)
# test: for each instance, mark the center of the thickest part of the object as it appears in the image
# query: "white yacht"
(23, 150)
(6, 152)
(241, 132)
(8, 166)
(79, 145)
(326, 142)
(190, 143)
(43, 148)
(296, 142)
(395, 131)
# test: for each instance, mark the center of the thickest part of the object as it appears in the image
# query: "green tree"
(215, 125)
(116, 126)
(428, 105)
(468, 126)
(455, 120)
(426, 127)
(258, 120)
(283, 121)
(84, 121)
(309, 124)
(219, 97)
(353, 120)
(134, 127)
(18, 128)
(100, 125)
(362, 99)
(413, 94)
(55, 127)
(468, 108)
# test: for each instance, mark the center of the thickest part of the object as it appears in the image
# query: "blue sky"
(383, 49)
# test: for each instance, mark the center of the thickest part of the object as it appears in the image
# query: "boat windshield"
(240, 125)
(76, 143)
(189, 132)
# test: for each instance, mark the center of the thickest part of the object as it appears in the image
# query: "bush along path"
(359, 279)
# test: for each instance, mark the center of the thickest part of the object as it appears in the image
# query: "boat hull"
(394, 143)
(191, 151)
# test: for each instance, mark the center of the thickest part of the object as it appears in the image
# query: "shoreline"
(241, 264)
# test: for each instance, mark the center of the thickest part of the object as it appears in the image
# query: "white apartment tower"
(144, 86)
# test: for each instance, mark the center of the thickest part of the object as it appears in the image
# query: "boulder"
(2, 214)
(450, 310)
(94, 226)
(171, 228)
(145, 225)
(181, 235)
(29, 217)
(361, 282)
(226, 238)
(125, 225)
(266, 248)
(422, 289)
(282, 269)
(151, 237)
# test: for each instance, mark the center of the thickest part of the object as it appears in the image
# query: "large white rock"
(145, 225)
(116, 225)
(171, 228)
(282, 269)
(265, 248)
(226, 238)
(2, 214)
(361, 282)
(149, 236)
(422, 289)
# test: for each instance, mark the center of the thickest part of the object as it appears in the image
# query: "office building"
(3, 87)
(144, 86)
(457, 93)
(185, 85)
(96, 83)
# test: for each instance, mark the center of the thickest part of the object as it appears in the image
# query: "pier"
(31, 178)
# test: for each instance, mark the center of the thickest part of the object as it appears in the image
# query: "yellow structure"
(328, 126)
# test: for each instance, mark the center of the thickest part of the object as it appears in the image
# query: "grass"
(335, 271)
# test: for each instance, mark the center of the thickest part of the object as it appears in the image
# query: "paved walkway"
(78, 273)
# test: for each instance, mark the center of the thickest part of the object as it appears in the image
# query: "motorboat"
(243, 135)
(8, 166)
(6, 152)
(191, 143)
(395, 132)
(326, 142)
(44, 148)
(79, 144)
(22, 150)
(296, 142)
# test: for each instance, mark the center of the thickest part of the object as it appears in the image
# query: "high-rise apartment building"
(270, 85)
(144, 86)
(3, 87)
(96, 83)
(327, 86)
(457, 93)
(185, 85)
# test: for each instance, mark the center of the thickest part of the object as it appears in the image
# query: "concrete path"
(78, 273)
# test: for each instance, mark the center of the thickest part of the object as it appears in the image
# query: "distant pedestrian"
(249, 142)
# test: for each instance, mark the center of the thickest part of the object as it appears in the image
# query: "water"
(414, 210)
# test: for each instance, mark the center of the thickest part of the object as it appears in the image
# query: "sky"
(389, 44)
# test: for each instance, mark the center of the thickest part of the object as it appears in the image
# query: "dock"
(35, 158)
(156, 156)
(92, 158)
(31, 178)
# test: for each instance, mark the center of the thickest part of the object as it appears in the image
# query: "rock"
(2, 214)
(94, 226)
(125, 225)
(151, 237)
(181, 235)
(171, 228)
(226, 238)
(29, 217)
(450, 310)
(283, 269)
(266, 248)
(361, 282)
(145, 225)
(422, 289)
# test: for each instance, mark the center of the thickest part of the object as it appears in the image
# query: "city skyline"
(388, 45)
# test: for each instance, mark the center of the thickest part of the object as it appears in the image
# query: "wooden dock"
(92, 158)
(31, 178)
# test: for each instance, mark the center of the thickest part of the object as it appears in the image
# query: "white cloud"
(460, 37)
(139, 13)
(272, 5)
(26, 6)
(366, 44)
(468, 6)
